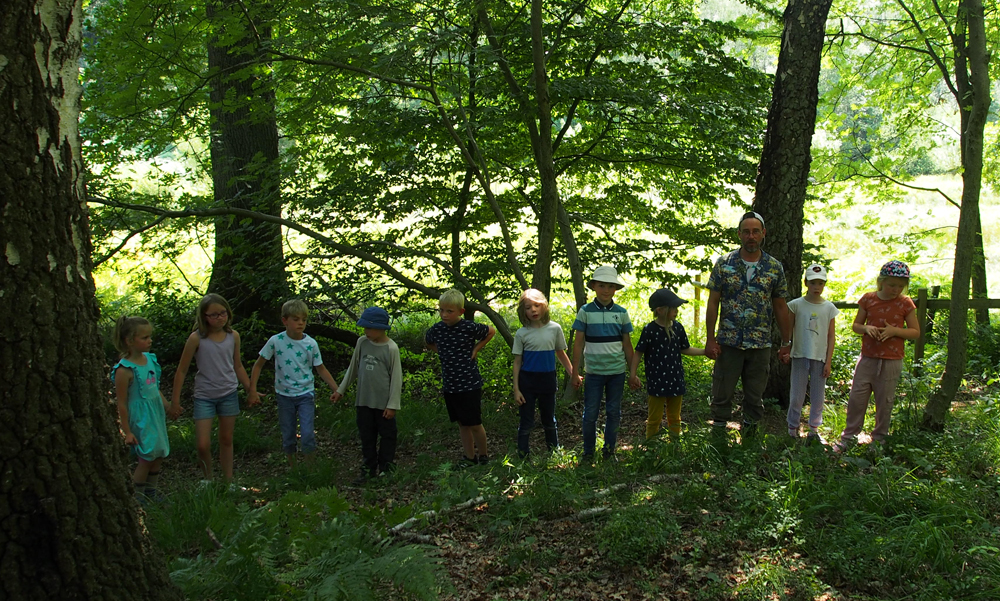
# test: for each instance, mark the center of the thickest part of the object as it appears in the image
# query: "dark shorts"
(465, 407)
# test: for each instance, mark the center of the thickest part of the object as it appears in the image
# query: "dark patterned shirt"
(662, 358)
(745, 307)
(459, 373)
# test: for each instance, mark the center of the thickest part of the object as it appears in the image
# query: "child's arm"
(350, 374)
(633, 367)
(693, 351)
(859, 326)
(252, 397)
(629, 354)
(395, 386)
(910, 332)
(241, 372)
(831, 341)
(490, 333)
(518, 397)
(325, 374)
(578, 343)
(563, 359)
(123, 377)
(190, 347)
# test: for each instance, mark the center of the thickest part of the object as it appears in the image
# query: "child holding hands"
(537, 346)
(814, 334)
(458, 341)
(886, 318)
(604, 341)
(215, 347)
(375, 364)
(141, 405)
(295, 355)
(661, 344)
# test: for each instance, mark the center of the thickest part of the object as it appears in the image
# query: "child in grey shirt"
(375, 364)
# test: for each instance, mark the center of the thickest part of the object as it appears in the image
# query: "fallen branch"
(398, 528)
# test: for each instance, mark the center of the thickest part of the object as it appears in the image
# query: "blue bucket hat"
(665, 298)
(374, 317)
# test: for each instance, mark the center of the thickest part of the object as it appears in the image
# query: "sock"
(151, 480)
(140, 487)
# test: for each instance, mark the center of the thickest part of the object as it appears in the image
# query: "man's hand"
(712, 349)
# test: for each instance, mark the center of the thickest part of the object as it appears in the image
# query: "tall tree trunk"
(69, 527)
(972, 87)
(249, 263)
(979, 284)
(782, 176)
(542, 142)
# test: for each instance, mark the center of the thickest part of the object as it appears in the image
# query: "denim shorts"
(227, 406)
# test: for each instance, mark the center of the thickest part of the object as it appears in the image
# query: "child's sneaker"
(363, 477)
(813, 438)
(466, 462)
(793, 432)
(482, 459)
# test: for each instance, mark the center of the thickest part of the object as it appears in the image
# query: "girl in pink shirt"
(886, 318)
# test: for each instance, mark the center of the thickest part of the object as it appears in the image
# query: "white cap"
(815, 272)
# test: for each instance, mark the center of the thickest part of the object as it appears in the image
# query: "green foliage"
(306, 545)
(638, 533)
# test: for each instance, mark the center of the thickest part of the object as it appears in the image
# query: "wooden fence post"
(918, 344)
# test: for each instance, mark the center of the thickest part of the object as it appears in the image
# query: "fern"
(309, 546)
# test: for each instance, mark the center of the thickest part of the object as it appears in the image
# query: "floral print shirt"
(745, 310)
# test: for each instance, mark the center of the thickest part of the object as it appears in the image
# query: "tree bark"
(972, 91)
(249, 268)
(782, 177)
(69, 526)
(979, 284)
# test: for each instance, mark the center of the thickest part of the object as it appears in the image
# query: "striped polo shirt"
(603, 328)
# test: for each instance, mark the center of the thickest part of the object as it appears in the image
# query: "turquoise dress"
(147, 417)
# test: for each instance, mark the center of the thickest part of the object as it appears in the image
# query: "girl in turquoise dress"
(141, 405)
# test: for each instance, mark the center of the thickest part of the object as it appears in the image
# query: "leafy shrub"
(637, 533)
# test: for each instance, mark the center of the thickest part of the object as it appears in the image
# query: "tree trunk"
(782, 176)
(249, 266)
(979, 284)
(69, 526)
(542, 143)
(972, 86)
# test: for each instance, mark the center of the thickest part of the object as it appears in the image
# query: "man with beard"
(751, 287)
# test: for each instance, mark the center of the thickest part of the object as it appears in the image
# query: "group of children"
(602, 347)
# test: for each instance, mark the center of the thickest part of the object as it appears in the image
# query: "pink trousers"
(876, 377)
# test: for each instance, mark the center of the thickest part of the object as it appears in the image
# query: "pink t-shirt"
(880, 314)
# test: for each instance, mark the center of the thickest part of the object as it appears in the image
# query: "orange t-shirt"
(880, 314)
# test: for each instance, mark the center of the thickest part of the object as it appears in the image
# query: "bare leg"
(226, 427)
(479, 438)
(468, 445)
(203, 441)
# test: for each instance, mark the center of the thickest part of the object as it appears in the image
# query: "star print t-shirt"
(293, 363)
(662, 358)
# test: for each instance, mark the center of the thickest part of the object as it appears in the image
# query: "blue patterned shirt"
(293, 363)
(459, 372)
(745, 310)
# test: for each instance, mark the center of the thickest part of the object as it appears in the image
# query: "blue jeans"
(594, 387)
(304, 408)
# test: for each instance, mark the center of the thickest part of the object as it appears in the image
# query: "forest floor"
(490, 551)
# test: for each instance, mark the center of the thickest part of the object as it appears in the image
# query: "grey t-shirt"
(379, 373)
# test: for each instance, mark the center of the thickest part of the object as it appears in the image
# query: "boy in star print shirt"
(295, 354)
(662, 343)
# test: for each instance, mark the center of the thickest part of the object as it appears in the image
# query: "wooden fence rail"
(927, 305)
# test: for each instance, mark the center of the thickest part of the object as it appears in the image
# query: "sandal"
(840, 447)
